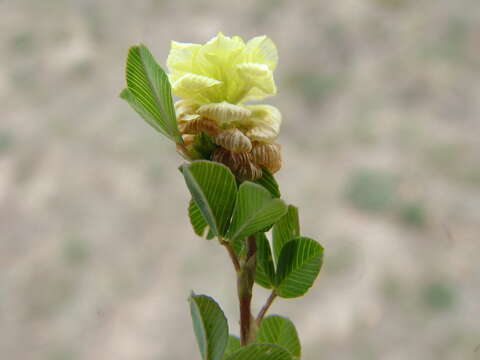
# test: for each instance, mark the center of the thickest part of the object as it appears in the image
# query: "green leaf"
(149, 92)
(298, 266)
(285, 229)
(199, 224)
(254, 210)
(238, 246)
(279, 330)
(265, 271)
(232, 346)
(213, 189)
(268, 182)
(260, 352)
(210, 326)
(128, 97)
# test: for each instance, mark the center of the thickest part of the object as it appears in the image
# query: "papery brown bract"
(234, 140)
(268, 156)
(240, 163)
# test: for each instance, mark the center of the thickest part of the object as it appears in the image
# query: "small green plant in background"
(6, 142)
(372, 190)
(231, 156)
(376, 191)
(439, 295)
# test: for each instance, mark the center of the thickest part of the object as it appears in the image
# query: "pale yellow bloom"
(213, 81)
(223, 69)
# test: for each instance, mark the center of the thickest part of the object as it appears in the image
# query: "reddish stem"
(265, 307)
(233, 256)
(245, 281)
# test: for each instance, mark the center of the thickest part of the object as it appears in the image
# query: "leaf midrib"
(294, 269)
(129, 97)
(194, 182)
(252, 217)
(141, 51)
(204, 330)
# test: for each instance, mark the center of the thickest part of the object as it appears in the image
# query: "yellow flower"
(213, 81)
(223, 69)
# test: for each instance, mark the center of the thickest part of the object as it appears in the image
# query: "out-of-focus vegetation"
(381, 153)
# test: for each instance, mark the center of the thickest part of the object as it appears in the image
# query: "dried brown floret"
(184, 108)
(188, 139)
(197, 124)
(240, 163)
(263, 132)
(249, 172)
(224, 112)
(183, 151)
(268, 156)
(233, 140)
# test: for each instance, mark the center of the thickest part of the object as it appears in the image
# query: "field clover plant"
(231, 153)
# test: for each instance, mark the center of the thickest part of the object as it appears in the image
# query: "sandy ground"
(381, 153)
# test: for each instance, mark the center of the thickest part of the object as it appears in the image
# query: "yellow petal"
(222, 48)
(216, 56)
(185, 107)
(264, 123)
(262, 49)
(224, 112)
(258, 80)
(235, 71)
(194, 87)
(182, 56)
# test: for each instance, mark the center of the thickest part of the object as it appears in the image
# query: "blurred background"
(381, 105)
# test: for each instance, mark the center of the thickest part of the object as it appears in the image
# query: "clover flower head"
(213, 81)
(223, 69)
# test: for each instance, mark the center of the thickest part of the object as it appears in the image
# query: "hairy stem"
(245, 281)
(265, 307)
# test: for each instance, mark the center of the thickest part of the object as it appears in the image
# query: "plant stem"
(265, 307)
(233, 256)
(245, 281)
